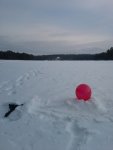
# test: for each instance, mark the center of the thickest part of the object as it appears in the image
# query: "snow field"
(52, 118)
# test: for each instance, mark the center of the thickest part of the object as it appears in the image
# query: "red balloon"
(83, 91)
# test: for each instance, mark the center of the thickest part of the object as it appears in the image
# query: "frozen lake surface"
(51, 117)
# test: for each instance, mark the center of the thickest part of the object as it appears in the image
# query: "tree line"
(10, 55)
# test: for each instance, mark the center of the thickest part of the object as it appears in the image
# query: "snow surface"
(51, 117)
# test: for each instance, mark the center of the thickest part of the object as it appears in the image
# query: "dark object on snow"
(12, 107)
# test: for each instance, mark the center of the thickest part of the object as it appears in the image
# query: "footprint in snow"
(3, 86)
(11, 90)
(20, 81)
(79, 136)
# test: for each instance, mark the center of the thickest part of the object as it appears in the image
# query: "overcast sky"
(50, 26)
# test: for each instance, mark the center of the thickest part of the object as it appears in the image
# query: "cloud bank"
(59, 25)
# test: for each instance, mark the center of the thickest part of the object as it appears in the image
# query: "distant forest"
(10, 55)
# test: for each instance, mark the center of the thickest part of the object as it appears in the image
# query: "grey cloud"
(20, 20)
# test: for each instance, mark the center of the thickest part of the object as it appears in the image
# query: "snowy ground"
(51, 117)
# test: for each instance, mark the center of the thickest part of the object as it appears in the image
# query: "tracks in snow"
(10, 87)
(78, 135)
